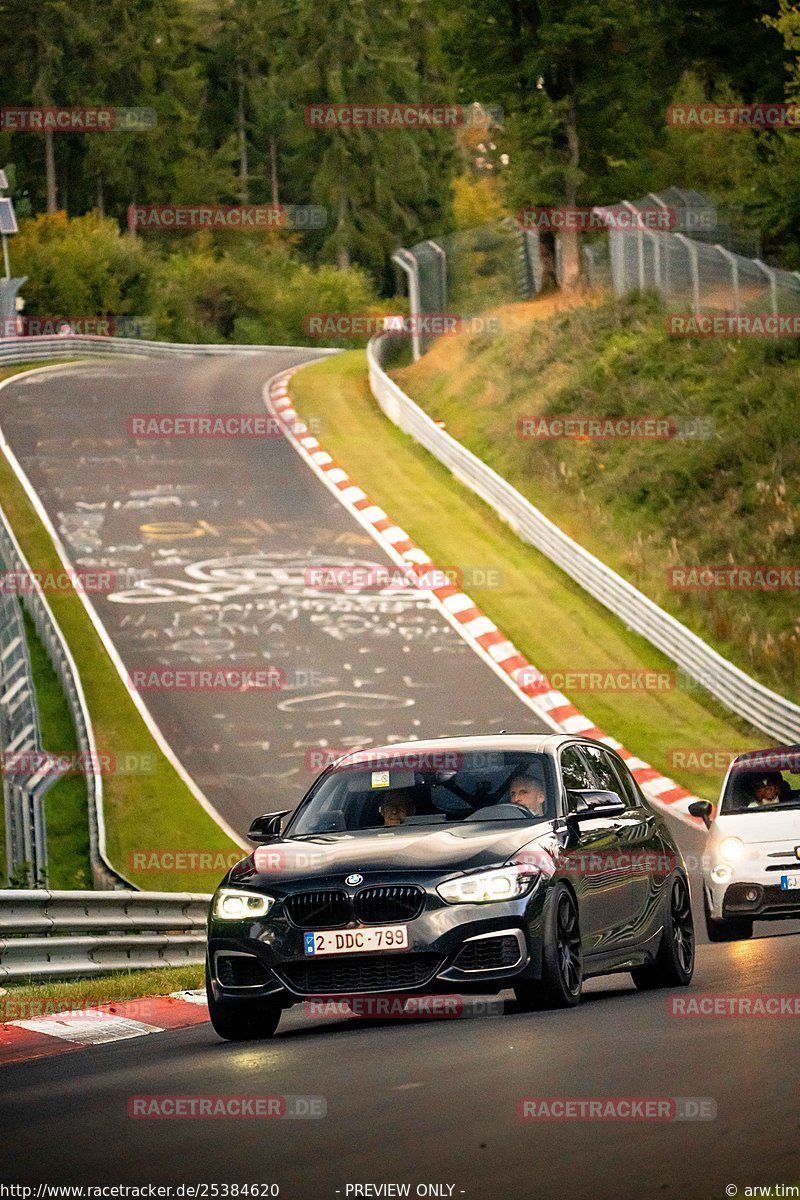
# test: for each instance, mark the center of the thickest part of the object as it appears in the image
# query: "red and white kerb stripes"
(477, 629)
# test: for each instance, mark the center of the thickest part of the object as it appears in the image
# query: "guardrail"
(34, 349)
(775, 715)
(20, 733)
(26, 840)
(62, 935)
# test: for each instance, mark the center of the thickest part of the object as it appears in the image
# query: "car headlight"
(505, 883)
(731, 849)
(231, 905)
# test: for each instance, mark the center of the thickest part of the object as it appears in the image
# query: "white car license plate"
(351, 941)
(790, 883)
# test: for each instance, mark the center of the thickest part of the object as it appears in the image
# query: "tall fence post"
(773, 285)
(734, 265)
(691, 250)
(441, 258)
(408, 264)
(639, 243)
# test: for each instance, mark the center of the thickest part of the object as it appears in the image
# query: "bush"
(79, 267)
(198, 289)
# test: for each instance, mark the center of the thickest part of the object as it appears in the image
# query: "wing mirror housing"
(267, 828)
(594, 802)
(703, 810)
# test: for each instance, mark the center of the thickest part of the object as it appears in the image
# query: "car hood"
(467, 847)
(759, 826)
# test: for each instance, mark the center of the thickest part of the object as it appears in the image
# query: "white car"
(752, 860)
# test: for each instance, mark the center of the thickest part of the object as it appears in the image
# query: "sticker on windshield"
(380, 779)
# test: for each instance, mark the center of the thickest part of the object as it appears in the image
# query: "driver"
(397, 806)
(529, 793)
(765, 789)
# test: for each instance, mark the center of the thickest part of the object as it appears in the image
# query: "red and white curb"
(478, 630)
(60, 1032)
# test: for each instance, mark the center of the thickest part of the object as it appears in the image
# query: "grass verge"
(26, 1000)
(146, 812)
(730, 494)
(550, 619)
(66, 808)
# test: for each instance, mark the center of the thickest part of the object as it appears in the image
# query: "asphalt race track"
(211, 541)
(214, 539)
(437, 1101)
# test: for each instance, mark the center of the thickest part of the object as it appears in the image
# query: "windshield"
(769, 782)
(393, 794)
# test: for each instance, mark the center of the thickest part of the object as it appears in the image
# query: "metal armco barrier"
(62, 935)
(34, 349)
(19, 728)
(763, 708)
(29, 808)
(19, 734)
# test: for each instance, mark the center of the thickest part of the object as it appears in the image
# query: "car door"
(588, 856)
(639, 848)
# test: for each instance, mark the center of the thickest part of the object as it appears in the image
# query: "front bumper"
(754, 891)
(436, 938)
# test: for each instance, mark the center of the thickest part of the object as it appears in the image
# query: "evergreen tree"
(381, 188)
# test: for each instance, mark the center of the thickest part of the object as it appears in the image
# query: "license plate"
(790, 883)
(353, 941)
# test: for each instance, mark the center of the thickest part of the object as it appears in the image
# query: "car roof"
(775, 758)
(532, 743)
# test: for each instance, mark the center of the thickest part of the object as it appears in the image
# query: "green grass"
(18, 368)
(66, 811)
(26, 1000)
(644, 506)
(550, 619)
(143, 812)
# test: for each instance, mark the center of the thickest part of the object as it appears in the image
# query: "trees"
(584, 85)
(579, 83)
(382, 188)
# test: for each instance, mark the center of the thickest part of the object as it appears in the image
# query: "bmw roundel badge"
(354, 879)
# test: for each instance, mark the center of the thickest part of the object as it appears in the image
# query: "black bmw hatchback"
(456, 865)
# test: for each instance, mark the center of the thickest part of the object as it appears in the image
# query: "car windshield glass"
(415, 791)
(770, 783)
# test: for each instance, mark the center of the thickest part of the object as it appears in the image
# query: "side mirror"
(267, 828)
(703, 810)
(594, 802)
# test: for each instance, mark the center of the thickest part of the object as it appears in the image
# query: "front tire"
(727, 929)
(674, 965)
(562, 957)
(242, 1020)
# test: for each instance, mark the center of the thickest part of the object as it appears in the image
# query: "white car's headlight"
(505, 883)
(731, 849)
(232, 905)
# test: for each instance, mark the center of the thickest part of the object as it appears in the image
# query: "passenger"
(765, 789)
(397, 806)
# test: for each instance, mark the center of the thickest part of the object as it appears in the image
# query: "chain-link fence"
(463, 274)
(697, 272)
(697, 255)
